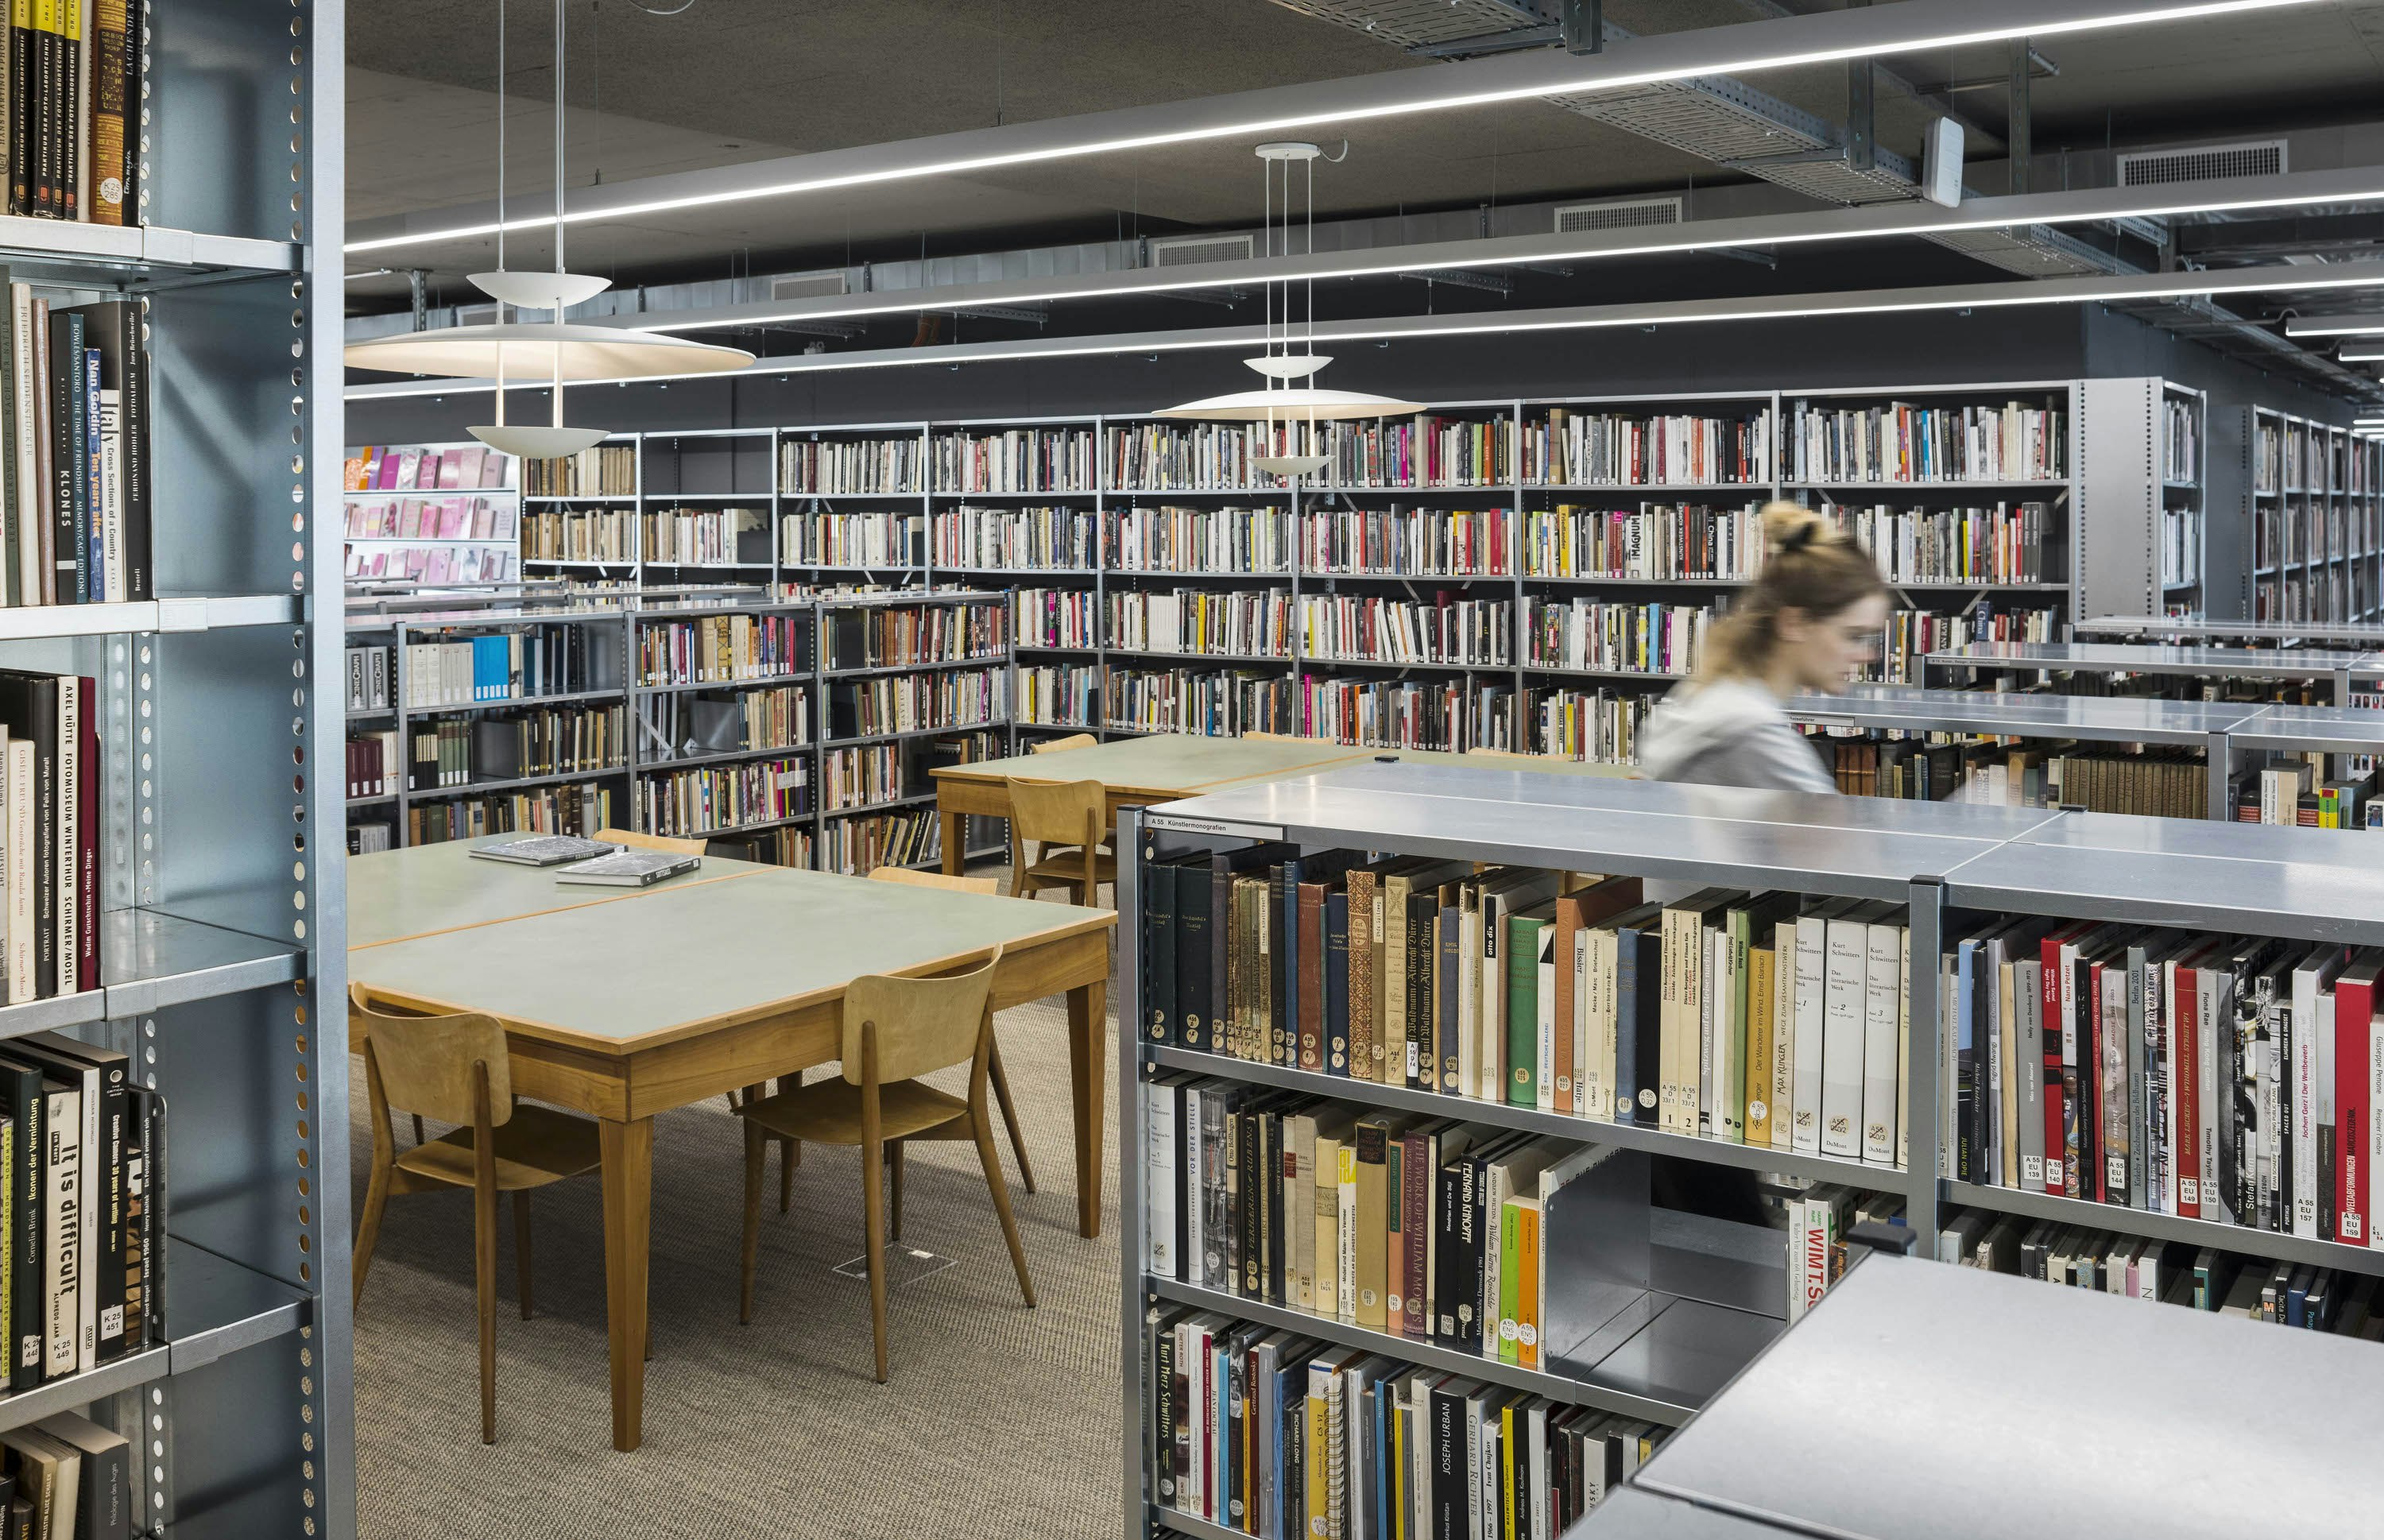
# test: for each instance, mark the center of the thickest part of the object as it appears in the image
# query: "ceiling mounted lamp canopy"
(558, 352)
(1278, 404)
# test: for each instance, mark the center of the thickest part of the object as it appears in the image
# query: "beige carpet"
(998, 1421)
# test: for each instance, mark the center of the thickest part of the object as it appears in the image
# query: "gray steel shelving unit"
(2339, 667)
(1942, 860)
(624, 614)
(221, 905)
(2312, 495)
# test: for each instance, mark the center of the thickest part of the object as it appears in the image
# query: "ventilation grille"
(804, 286)
(1619, 214)
(2264, 158)
(1181, 251)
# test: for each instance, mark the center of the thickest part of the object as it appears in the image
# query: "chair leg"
(1009, 1118)
(757, 1149)
(790, 1155)
(417, 1129)
(368, 1229)
(1001, 1207)
(521, 1249)
(894, 1176)
(872, 1210)
(484, 1269)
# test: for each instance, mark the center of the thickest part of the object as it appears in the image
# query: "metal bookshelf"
(2340, 668)
(501, 552)
(2313, 504)
(628, 611)
(1661, 1355)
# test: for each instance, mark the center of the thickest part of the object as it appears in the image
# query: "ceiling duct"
(1183, 251)
(2264, 158)
(1420, 23)
(806, 286)
(1619, 214)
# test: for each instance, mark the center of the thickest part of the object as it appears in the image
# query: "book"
(631, 868)
(542, 850)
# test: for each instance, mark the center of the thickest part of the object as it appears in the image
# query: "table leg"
(1088, 1026)
(628, 1150)
(955, 858)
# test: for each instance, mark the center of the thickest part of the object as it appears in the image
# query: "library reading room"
(1488, 716)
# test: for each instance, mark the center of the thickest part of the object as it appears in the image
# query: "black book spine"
(1336, 985)
(132, 424)
(70, 509)
(1452, 1467)
(21, 1083)
(1448, 1219)
(20, 137)
(1283, 917)
(1231, 1506)
(1647, 1018)
(1471, 1305)
(1158, 1449)
(1218, 960)
(115, 1139)
(1272, 1183)
(1160, 1023)
(1192, 924)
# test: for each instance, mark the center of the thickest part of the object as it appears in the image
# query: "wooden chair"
(1066, 818)
(895, 1030)
(1079, 740)
(637, 841)
(455, 1069)
(988, 887)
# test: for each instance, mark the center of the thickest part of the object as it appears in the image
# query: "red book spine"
(2056, 1167)
(2354, 1007)
(2185, 1091)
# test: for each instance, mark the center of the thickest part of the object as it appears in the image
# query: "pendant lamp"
(554, 350)
(1278, 402)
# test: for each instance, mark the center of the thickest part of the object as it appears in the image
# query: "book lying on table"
(631, 868)
(543, 850)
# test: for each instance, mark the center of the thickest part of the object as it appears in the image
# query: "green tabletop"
(1165, 764)
(396, 894)
(705, 955)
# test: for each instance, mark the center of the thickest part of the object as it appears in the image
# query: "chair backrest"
(425, 1063)
(637, 841)
(1078, 740)
(934, 879)
(921, 1025)
(1057, 812)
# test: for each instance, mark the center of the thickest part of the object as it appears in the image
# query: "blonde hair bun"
(1793, 527)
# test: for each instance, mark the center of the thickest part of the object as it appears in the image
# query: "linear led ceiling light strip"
(2347, 276)
(1746, 48)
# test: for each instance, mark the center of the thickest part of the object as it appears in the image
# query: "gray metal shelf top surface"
(2124, 719)
(1915, 1363)
(1864, 847)
(2250, 630)
(2129, 658)
(2324, 885)
(2343, 729)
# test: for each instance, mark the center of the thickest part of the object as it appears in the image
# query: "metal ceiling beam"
(2349, 277)
(1750, 47)
(1877, 221)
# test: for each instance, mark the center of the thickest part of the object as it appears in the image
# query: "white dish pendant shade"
(541, 290)
(1290, 403)
(542, 349)
(539, 443)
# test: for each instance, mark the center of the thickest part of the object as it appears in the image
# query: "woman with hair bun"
(1814, 614)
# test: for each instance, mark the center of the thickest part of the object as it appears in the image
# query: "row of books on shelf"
(1568, 445)
(68, 1478)
(1445, 628)
(683, 804)
(433, 564)
(1407, 541)
(1062, 538)
(1614, 638)
(1159, 457)
(2181, 441)
(2005, 543)
(863, 775)
(911, 838)
(1754, 1018)
(394, 467)
(75, 469)
(457, 751)
(2202, 1278)
(1649, 543)
(1163, 538)
(1899, 442)
(1013, 460)
(580, 809)
(1267, 1431)
(515, 664)
(894, 636)
(444, 519)
(601, 470)
(686, 723)
(595, 535)
(706, 537)
(833, 468)
(722, 648)
(77, 71)
(2233, 1079)
(915, 703)
(2180, 546)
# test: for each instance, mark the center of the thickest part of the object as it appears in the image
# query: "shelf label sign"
(1212, 825)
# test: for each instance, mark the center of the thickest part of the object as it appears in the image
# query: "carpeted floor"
(998, 1421)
